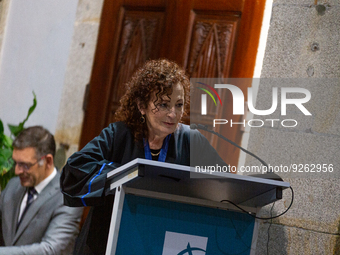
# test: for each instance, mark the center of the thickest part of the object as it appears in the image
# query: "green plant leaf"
(1, 127)
(6, 153)
(5, 177)
(6, 161)
(15, 130)
(7, 141)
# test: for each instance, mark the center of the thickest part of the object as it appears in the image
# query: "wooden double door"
(209, 38)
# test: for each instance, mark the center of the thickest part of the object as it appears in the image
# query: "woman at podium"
(147, 126)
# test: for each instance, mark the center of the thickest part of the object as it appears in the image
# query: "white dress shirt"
(38, 188)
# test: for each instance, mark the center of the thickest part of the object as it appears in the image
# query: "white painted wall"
(34, 57)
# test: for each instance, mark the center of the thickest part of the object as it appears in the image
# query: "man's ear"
(49, 160)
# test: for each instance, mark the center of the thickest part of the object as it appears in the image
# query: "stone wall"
(4, 5)
(303, 44)
(78, 74)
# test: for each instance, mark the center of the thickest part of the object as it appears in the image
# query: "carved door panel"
(215, 38)
(138, 42)
(210, 56)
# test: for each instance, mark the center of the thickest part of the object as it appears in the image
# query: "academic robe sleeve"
(84, 175)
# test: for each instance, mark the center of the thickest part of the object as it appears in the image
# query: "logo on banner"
(184, 244)
(190, 250)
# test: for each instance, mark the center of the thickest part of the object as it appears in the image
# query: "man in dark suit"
(33, 219)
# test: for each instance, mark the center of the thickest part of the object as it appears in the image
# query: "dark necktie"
(30, 194)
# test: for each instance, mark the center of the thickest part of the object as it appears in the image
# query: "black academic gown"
(84, 175)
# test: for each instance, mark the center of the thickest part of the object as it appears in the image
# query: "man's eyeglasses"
(26, 166)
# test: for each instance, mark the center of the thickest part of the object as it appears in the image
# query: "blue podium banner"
(157, 227)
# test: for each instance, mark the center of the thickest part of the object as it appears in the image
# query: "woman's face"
(162, 116)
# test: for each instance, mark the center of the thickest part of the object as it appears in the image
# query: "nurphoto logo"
(204, 97)
(239, 104)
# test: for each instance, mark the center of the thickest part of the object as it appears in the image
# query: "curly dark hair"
(154, 76)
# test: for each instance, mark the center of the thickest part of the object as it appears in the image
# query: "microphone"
(198, 126)
(203, 127)
(193, 126)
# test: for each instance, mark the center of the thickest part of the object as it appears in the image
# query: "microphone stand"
(268, 175)
(202, 127)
